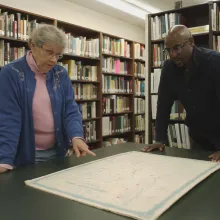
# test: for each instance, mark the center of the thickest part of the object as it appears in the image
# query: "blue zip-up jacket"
(17, 86)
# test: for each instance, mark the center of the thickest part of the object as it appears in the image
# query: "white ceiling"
(163, 5)
(108, 10)
(152, 6)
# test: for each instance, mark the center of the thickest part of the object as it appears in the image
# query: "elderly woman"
(39, 118)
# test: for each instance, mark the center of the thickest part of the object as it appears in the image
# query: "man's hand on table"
(155, 146)
(215, 157)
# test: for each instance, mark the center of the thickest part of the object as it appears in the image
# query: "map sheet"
(134, 184)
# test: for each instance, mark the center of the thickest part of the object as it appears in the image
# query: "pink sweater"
(42, 111)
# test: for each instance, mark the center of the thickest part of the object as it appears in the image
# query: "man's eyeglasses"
(177, 49)
(50, 54)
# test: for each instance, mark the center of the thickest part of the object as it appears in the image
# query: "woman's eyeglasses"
(51, 54)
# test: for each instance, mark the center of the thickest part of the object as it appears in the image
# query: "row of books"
(139, 51)
(9, 53)
(79, 71)
(139, 123)
(115, 84)
(139, 69)
(115, 124)
(85, 91)
(115, 104)
(81, 46)
(139, 105)
(114, 65)
(155, 80)
(90, 47)
(178, 136)
(88, 110)
(89, 128)
(161, 24)
(112, 104)
(16, 26)
(118, 47)
(139, 87)
(159, 56)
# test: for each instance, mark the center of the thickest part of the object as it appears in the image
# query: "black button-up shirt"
(200, 96)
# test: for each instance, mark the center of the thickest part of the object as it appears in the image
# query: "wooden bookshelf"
(92, 61)
(117, 58)
(139, 95)
(192, 16)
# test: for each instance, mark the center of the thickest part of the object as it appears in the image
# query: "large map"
(135, 184)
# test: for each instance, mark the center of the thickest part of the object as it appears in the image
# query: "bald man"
(191, 75)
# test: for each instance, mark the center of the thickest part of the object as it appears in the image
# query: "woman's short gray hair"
(46, 33)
